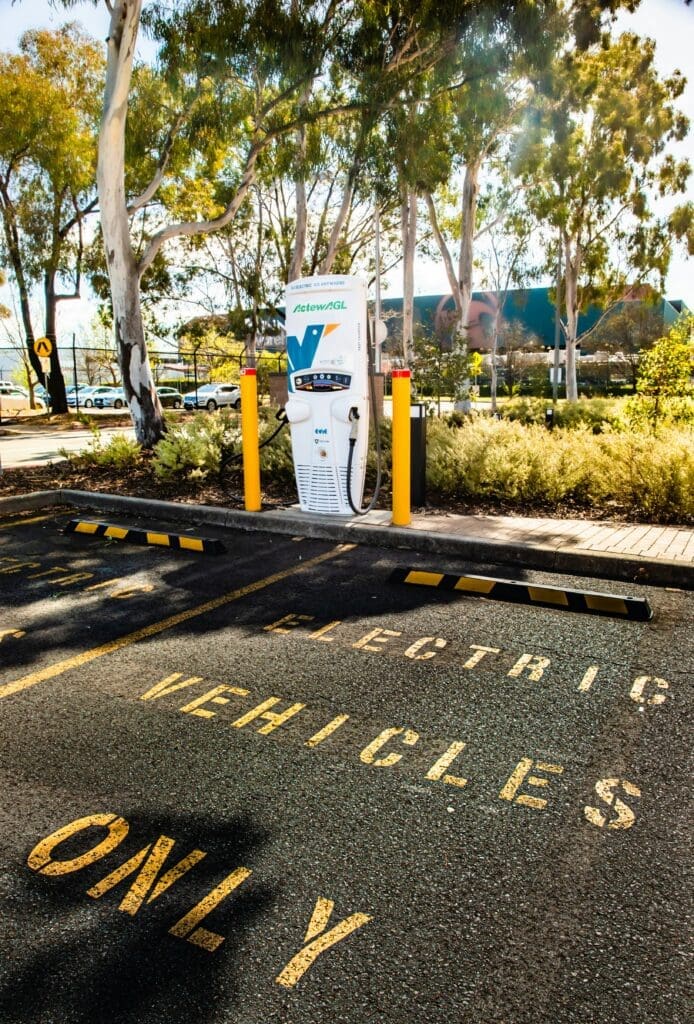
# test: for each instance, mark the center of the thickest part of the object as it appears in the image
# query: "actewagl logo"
(315, 307)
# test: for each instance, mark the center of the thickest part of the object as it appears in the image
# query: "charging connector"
(354, 420)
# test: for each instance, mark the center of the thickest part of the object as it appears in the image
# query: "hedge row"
(523, 467)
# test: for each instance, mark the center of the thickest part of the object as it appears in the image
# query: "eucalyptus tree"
(475, 99)
(233, 71)
(599, 155)
(238, 73)
(502, 62)
(505, 253)
(50, 95)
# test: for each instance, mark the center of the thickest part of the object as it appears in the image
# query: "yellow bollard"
(401, 448)
(249, 440)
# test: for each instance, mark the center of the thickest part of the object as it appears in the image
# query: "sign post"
(43, 348)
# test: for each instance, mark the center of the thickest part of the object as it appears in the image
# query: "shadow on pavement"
(89, 962)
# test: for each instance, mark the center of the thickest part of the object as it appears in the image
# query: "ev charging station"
(328, 391)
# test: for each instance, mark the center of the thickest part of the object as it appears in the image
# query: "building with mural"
(532, 309)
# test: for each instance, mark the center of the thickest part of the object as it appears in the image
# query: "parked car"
(14, 400)
(112, 398)
(170, 398)
(73, 393)
(87, 395)
(213, 396)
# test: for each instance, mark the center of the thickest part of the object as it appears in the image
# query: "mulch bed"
(228, 492)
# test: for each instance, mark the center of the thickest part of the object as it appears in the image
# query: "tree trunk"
(123, 271)
(409, 241)
(494, 355)
(54, 383)
(13, 251)
(297, 263)
(300, 236)
(340, 220)
(453, 282)
(468, 219)
(571, 272)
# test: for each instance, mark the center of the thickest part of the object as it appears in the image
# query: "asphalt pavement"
(275, 782)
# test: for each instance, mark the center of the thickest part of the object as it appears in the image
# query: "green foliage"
(276, 463)
(596, 414)
(50, 95)
(594, 165)
(528, 467)
(193, 449)
(266, 364)
(506, 461)
(207, 445)
(653, 476)
(664, 388)
(121, 453)
(437, 372)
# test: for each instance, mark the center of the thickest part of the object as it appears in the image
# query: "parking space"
(272, 784)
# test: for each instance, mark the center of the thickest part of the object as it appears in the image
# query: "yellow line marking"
(34, 519)
(426, 579)
(475, 586)
(548, 596)
(78, 660)
(602, 603)
(106, 583)
(158, 538)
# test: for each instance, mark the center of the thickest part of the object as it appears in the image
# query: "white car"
(14, 400)
(212, 396)
(88, 395)
(114, 398)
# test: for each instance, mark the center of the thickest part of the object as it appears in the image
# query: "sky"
(669, 22)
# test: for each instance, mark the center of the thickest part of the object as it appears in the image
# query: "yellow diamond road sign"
(43, 347)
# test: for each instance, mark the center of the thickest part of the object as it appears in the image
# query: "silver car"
(114, 398)
(213, 396)
(88, 395)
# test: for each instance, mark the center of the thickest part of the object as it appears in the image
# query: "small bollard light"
(549, 418)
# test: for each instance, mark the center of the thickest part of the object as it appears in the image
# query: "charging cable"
(354, 420)
(236, 456)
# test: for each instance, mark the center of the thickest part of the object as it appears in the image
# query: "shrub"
(653, 475)
(507, 461)
(193, 449)
(121, 453)
(664, 388)
(529, 466)
(207, 444)
(276, 461)
(598, 414)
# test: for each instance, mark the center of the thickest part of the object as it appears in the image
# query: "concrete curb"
(526, 555)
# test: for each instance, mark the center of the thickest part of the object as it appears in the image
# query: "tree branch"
(136, 204)
(191, 228)
(445, 253)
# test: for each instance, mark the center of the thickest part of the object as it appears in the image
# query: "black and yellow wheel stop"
(635, 608)
(176, 541)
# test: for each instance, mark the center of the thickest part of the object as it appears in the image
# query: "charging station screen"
(322, 381)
